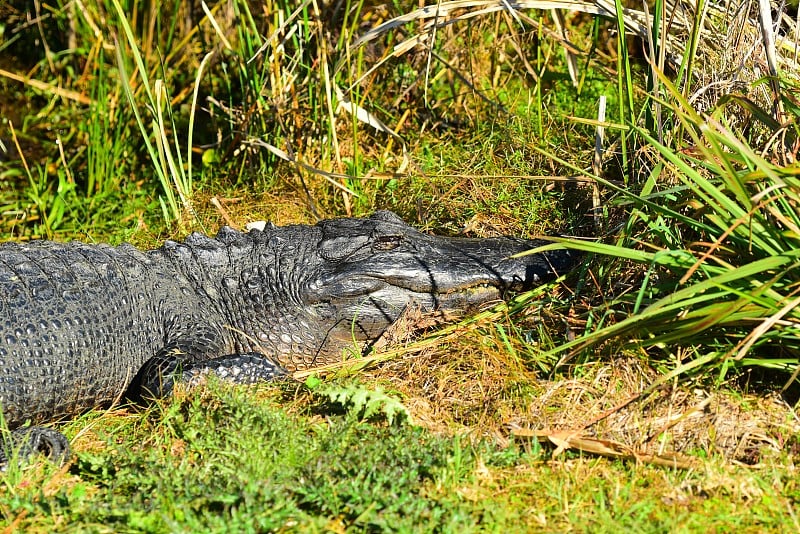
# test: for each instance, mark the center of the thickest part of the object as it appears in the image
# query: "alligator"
(84, 325)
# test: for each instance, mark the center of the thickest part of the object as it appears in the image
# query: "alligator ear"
(340, 248)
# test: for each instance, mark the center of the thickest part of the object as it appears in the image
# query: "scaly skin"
(82, 324)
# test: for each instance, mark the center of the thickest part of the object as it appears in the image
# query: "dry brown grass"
(472, 387)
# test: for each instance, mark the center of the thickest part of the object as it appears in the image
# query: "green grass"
(669, 339)
(225, 459)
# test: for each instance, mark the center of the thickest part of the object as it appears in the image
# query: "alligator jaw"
(486, 267)
(368, 296)
(368, 319)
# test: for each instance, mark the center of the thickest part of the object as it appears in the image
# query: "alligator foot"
(157, 379)
(27, 442)
(242, 368)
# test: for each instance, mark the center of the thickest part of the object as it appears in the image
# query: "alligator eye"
(386, 242)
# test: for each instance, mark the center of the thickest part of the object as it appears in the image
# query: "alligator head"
(356, 277)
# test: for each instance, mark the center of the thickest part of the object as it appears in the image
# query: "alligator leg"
(32, 440)
(157, 379)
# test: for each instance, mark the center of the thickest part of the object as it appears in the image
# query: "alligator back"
(76, 323)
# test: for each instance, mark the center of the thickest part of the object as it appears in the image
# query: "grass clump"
(716, 226)
(222, 460)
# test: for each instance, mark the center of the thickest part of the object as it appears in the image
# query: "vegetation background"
(653, 389)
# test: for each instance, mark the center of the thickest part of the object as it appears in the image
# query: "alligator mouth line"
(431, 287)
(468, 296)
(457, 301)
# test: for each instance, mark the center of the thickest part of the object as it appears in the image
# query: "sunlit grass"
(716, 225)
